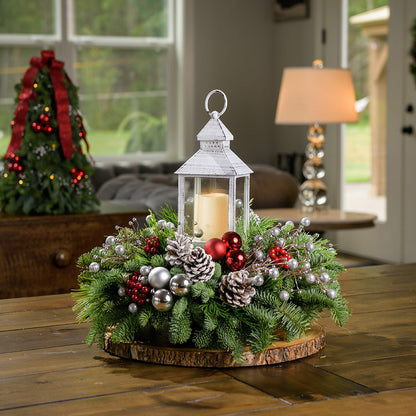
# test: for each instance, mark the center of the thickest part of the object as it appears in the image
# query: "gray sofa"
(145, 186)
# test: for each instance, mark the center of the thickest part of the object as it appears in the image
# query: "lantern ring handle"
(216, 114)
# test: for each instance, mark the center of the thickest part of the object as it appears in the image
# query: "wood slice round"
(279, 352)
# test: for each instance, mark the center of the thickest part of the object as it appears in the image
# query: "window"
(120, 53)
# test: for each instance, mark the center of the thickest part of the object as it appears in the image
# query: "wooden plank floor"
(367, 367)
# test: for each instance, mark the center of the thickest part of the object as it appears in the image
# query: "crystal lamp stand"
(313, 192)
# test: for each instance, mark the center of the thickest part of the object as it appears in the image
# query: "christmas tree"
(45, 170)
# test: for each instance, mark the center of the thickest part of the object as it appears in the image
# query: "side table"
(38, 254)
(322, 220)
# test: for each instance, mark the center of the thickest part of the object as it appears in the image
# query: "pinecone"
(199, 266)
(236, 288)
(178, 250)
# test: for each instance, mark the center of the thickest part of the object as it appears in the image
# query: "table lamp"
(315, 96)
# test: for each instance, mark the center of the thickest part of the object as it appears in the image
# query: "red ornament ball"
(216, 248)
(232, 240)
(236, 260)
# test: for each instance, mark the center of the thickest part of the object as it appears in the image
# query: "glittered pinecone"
(199, 266)
(178, 250)
(236, 288)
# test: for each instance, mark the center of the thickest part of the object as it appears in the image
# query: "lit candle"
(212, 214)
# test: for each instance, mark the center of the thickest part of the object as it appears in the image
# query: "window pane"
(123, 97)
(144, 18)
(13, 64)
(27, 17)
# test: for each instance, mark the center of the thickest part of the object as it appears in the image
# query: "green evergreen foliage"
(47, 182)
(200, 317)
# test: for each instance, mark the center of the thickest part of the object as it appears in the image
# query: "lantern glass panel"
(240, 198)
(211, 205)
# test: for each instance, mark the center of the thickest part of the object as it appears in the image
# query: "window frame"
(64, 41)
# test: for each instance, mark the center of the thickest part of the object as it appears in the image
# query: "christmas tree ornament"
(162, 300)
(235, 260)
(133, 308)
(199, 266)
(324, 277)
(258, 280)
(310, 278)
(159, 277)
(275, 231)
(161, 224)
(309, 246)
(260, 256)
(198, 233)
(216, 248)
(284, 296)
(232, 240)
(280, 242)
(149, 219)
(258, 239)
(331, 293)
(293, 264)
(288, 224)
(306, 265)
(170, 225)
(145, 270)
(110, 240)
(236, 288)
(94, 267)
(119, 249)
(274, 273)
(179, 284)
(121, 291)
(305, 221)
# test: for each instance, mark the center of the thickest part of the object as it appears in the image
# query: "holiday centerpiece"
(214, 284)
(45, 170)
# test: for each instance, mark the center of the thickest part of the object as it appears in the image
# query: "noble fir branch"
(168, 214)
(126, 330)
(180, 328)
(203, 338)
(261, 315)
(259, 338)
(145, 314)
(159, 260)
(180, 307)
(293, 320)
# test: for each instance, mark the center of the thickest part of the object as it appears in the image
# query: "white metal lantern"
(214, 184)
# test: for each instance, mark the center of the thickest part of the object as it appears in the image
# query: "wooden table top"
(368, 366)
(324, 220)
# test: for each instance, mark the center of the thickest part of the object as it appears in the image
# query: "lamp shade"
(316, 95)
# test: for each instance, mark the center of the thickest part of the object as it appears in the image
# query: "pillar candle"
(211, 214)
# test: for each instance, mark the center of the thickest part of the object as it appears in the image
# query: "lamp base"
(313, 194)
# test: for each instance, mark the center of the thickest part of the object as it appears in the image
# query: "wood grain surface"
(367, 367)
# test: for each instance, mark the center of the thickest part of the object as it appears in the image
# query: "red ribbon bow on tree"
(61, 98)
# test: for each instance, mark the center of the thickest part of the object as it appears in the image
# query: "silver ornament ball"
(133, 308)
(198, 233)
(161, 224)
(289, 224)
(310, 278)
(121, 291)
(159, 277)
(170, 225)
(258, 280)
(110, 240)
(179, 284)
(145, 270)
(238, 203)
(284, 296)
(119, 249)
(306, 265)
(258, 239)
(305, 221)
(331, 293)
(324, 277)
(275, 231)
(260, 256)
(293, 264)
(94, 267)
(310, 246)
(162, 300)
(274, 273)
(280, 242)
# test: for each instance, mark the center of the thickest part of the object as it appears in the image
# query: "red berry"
(142, 295)
(141, 301)
(135, 278)
(288, 256)
(153, 250)
(145, 289)
(283, 252)
(134, 298)
(128, 283)
(272, 253)
(134, 291)
(286, 267)
(139, 285)
(146, 248)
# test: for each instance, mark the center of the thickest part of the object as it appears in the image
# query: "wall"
(233, 51)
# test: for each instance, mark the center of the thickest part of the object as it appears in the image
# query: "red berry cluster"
(14, 165)
(77, 175)
(43, 124)
(280, 256)
(137, 291)
(152, 245)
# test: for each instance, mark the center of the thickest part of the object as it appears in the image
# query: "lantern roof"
(214, 158)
